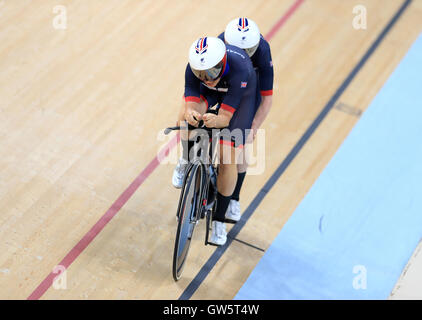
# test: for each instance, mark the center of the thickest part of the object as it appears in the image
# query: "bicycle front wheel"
(187, 215)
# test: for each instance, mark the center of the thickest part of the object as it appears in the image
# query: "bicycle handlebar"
(200, 126)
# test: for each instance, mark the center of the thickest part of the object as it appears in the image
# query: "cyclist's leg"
(241, 121)
(180, 169)
(231, 139)
(242, 164)
(226, 180)
(181, 115)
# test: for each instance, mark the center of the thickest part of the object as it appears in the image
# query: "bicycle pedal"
(230, 221)
(213, 244)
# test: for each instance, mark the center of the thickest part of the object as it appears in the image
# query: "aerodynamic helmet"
(207, 58)
(243, 33)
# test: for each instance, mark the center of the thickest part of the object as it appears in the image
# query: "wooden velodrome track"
(81, 109)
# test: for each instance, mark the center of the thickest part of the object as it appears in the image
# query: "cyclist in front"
(223, 75)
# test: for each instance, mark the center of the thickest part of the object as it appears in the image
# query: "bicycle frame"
(208, 179)
(195, 201)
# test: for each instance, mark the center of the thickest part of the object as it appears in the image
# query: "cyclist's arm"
(266, 80)
(265, 67)
(219, 121)
(192, 113)
(192, 110)
(231, 101)
(263, 110)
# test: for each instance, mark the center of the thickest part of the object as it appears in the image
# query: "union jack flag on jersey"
(201, 46)
(243, 25)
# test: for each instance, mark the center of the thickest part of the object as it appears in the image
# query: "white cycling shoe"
(233, 212)
(219, 233)
(179, 173)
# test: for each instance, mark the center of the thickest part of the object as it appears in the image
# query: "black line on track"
(207, 267)
(248, 244)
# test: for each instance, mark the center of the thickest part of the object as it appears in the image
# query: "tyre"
(187, 214)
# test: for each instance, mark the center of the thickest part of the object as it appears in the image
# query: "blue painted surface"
(364, 210)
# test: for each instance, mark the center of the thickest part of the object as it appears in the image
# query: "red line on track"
(125, 196)
(105, 219)
(283, 19)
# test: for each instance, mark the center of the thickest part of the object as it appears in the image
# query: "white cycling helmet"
(243, 33)
(207, 58)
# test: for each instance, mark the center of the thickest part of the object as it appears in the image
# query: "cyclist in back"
(221, 75)
(244, 33)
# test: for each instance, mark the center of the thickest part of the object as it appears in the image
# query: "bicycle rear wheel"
(187, 214)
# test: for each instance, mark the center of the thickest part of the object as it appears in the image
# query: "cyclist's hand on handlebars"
(193, 117)
(210, 120)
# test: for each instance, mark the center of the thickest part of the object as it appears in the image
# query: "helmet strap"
(224, 66)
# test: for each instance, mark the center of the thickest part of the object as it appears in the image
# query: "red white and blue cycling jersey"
(263, 64)
(235, 92)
